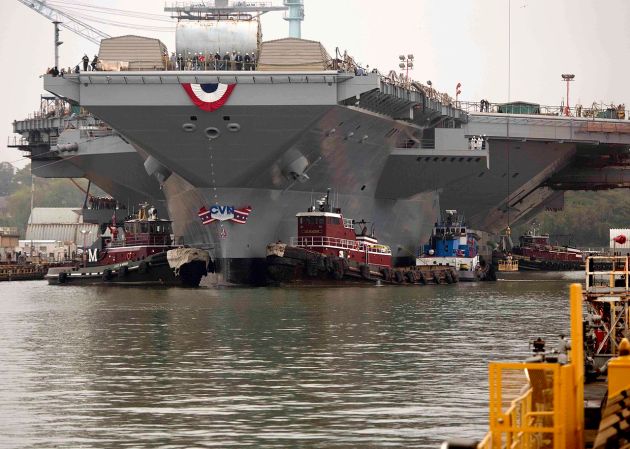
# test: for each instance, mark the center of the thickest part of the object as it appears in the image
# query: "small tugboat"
(535, 252)
(145, 255)
(452, 244)
(328, 249)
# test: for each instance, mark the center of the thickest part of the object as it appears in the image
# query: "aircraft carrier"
(255, 145)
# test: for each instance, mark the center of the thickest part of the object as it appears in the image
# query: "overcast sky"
(453, 41)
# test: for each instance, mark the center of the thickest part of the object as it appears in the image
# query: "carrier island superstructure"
(253, 143)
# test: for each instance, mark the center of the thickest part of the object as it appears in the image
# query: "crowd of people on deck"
(98, 203)
(212, 61)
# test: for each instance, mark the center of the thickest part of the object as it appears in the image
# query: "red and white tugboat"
(328, 249)
(145, 255)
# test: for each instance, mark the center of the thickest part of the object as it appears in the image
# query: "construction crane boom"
(68, 22)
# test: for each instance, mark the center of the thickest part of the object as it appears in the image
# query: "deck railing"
(608, 295)
(164, 240)
(607, 275)
(508, 265)
(595, 110)
(337, 243)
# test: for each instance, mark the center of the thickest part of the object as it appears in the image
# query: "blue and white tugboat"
(144, 255)
(452, 244)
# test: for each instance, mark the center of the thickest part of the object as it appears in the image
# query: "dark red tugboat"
(535, 252)
(328, 249)
(145, 255)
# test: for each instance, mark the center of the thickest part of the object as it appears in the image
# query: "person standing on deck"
(226, 61)
(253, 65)
(86, 61)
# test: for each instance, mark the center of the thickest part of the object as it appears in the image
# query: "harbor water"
(330, 368)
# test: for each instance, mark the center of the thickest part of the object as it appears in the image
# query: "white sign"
(93, 255)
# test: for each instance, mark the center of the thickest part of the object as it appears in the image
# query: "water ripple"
(324, 368)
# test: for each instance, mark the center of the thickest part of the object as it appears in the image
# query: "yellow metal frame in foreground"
(548, 410)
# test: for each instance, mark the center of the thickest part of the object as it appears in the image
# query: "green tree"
(47, 193)
(586, 219)
(7, 173)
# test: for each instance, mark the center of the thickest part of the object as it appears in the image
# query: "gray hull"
(282, 139)
(239, 250)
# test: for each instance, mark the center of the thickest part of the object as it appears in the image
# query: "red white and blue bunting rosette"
(209, 96)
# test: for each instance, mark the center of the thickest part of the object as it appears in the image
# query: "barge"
(21, 272)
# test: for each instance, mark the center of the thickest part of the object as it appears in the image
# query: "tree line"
(15, 188)
(586, 219)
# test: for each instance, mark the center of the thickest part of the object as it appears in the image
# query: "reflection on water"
(350, 367)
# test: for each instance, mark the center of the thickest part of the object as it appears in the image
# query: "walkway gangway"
(607, 296)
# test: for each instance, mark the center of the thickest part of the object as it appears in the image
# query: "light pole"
(85, 232)
(406, 63)
(568, 77)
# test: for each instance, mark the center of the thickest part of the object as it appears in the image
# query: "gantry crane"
(60, 18)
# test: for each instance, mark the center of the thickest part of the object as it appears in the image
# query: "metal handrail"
(138, 241)
(607, 280)
(596, 110)
(92, 133)
(337, 243)
(508, 265)
(17, 141)
(188, 63)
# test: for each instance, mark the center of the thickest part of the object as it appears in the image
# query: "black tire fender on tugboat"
(398, 276)
(365, 271)
(107, 275)
(386, 273)
(338, 270)
(421, 278)
(436, 277)
(123, 271)
(328, 266)
(311, 266)
(449, 277)
(62, 277)
(410, 277)
(143, 268)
